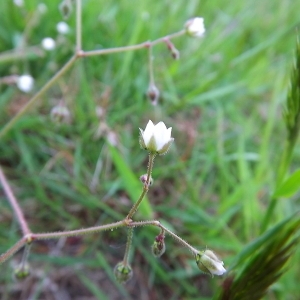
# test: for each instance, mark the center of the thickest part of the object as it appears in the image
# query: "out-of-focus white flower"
(209, 263)
(42, 8)
(156, 138)
(25, 83)
(48, 43)
(195, 27)
(62, 28)
(19, 3)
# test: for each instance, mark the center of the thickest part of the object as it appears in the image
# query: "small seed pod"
(122, 272)
(21, 272)
(144, 177)
(153, 93)
(159, 246)
(66, 8)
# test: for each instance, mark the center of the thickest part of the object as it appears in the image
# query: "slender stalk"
(150, 65)
(14, 55)
(25, 255)
(10, 252)
(131, 47)
(175, 236)
(33, 100)
(14, 203)
(78, 26)
(145, 188)
(128, 245)
(56, 235)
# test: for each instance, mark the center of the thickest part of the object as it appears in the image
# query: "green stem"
(128, 245)
(145, 188)
(131, 47)
(33, 100)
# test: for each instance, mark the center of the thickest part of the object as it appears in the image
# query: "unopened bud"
(159, 246)
(22, 271)
(209, 263)
(60, 114)
(66, 8)
(144, 177)
(153, 93)
(122, 272)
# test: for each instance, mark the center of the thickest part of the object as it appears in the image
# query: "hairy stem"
(145, 188)
(14, 203)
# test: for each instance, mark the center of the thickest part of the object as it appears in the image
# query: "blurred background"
(223, 98)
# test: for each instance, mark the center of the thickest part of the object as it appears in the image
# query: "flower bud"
(62, 28)
(66, 8)
(209, 263)
(159, 247)
(122, 272)
(156, 138)
(195, 27)
(144, 177)
(60, 114)
(22, 271)
(153, 93)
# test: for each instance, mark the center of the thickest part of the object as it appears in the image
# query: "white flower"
(62, 27)
(48, 43)
(25, 83)
(19, 3)
(208, 262)
(156, 138)
(195, 27)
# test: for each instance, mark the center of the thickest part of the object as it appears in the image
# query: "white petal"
(148, 133)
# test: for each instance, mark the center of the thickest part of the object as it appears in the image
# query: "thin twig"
(14, 204)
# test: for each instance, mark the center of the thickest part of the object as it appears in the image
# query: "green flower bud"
(159, 246)
(122, 272)
(21, 272)
(209, 263)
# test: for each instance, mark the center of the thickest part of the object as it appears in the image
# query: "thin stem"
(25, 255)
(78, 26)
(19, 54)
(9, 253)
(128, 245)
(131, 47)
(14, 203)
(56, 235)
(33, 100)
(158, 224)
(145, 188)
(150, 65)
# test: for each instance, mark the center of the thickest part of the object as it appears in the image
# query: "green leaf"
(290, 186)
(131, 184)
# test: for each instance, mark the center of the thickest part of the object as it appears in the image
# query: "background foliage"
(224, 100)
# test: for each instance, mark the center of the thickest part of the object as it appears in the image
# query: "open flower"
(195, 27)
(156, 138)
(209, 263)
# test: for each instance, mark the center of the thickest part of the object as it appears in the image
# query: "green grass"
(224, 100)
